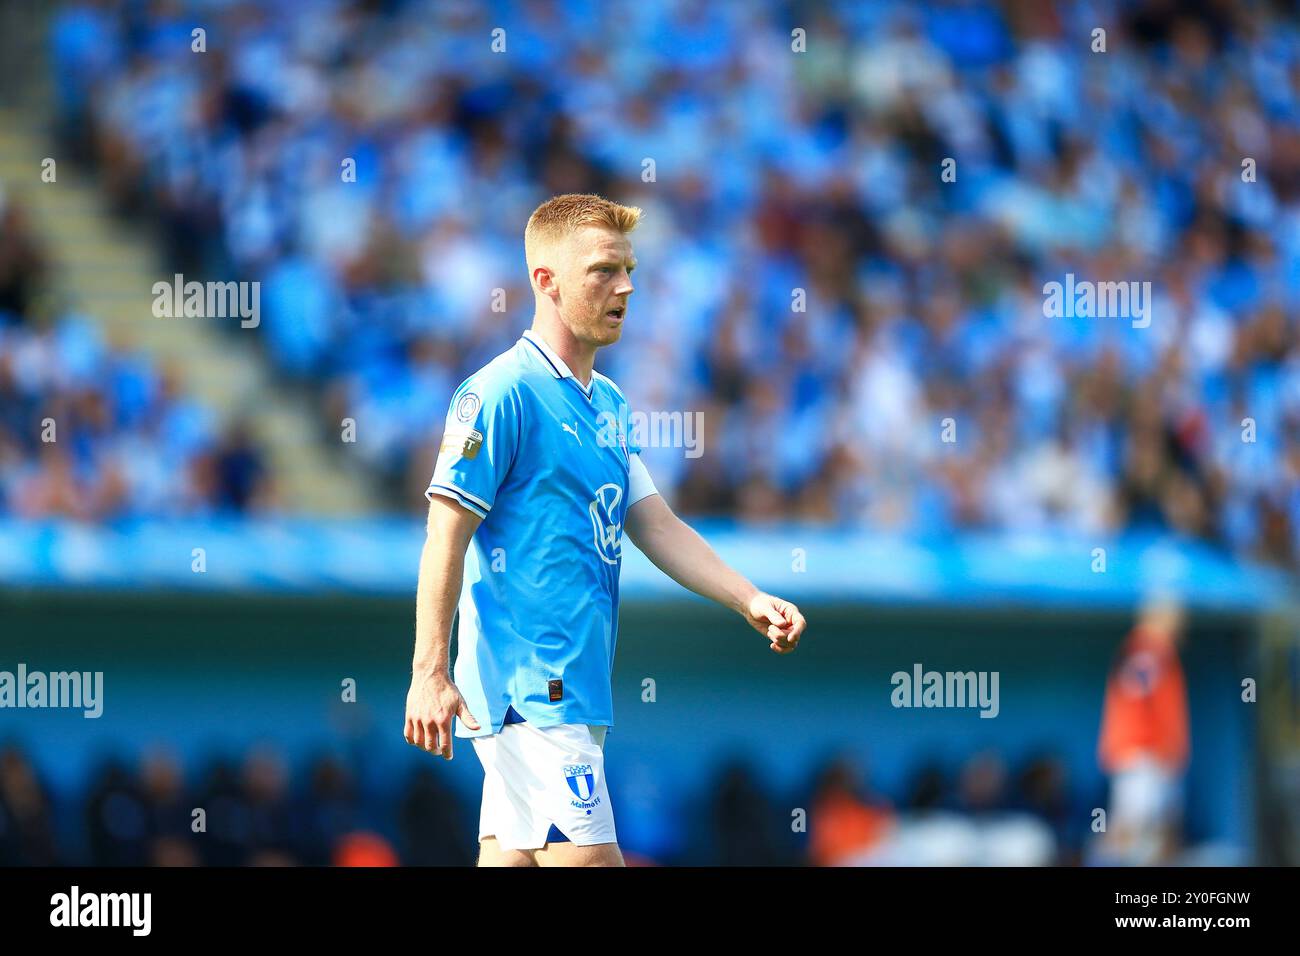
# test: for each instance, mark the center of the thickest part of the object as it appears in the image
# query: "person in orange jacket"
(1145, 742)
(848, 821)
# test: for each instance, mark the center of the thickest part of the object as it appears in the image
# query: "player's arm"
(479, 440)
(433, 698)
(678, 550)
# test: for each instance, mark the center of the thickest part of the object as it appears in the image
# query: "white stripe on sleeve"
(639, 483)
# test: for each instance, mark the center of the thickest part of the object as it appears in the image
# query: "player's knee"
(569, 854)
(490, 853)
(607, 854)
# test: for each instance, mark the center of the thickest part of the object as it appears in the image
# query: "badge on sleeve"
(463, 442)
(467, 407)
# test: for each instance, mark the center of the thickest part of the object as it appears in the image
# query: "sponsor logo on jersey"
(465, 442)
(605, 529)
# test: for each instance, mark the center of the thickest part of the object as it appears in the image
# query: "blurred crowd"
(245, 813)
(812, 282)
(256, 812)
(975, 805)
(95, 433)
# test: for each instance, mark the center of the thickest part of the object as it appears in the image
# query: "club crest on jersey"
(606, 530)
(582, 783)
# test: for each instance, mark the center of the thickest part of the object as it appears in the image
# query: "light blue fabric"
(538, 457)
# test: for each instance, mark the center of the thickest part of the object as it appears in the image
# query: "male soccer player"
(532, 489)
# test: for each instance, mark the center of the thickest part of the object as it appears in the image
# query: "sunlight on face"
(595, 282)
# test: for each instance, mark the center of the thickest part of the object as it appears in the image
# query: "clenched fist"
(777, 620)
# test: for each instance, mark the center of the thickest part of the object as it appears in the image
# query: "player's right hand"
(431, 703)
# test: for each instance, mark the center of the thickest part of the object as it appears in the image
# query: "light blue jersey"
(528, 449)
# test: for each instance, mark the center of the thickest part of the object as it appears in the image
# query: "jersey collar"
(557, 365)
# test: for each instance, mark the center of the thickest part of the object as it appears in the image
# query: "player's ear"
(545, 280)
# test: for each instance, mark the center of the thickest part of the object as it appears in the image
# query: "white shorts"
(534, 777)
(1145, 795)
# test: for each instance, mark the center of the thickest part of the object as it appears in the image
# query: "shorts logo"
(468, 407)
(582, 783)
(604, 528)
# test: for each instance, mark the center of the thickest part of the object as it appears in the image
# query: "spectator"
(1144, 744)
(844, 821)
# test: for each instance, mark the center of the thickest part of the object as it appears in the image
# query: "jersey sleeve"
(639, 483)
(478, 444)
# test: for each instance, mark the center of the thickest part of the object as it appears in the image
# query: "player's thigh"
(570, 854)
(490, 853)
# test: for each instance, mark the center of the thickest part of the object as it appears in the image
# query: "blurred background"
(225, 518)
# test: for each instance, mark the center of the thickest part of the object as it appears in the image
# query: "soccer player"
(534, 484)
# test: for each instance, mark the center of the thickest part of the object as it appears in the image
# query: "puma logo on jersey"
(571, 431)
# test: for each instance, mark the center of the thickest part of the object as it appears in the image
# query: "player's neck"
(579, 357)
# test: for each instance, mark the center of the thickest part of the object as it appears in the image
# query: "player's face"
(596, 284)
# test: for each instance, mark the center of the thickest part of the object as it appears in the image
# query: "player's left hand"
(777, 620)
